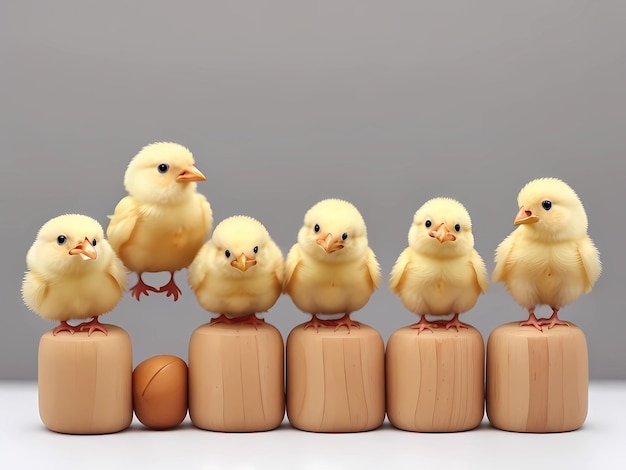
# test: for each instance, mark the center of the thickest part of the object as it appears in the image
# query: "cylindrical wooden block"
(435, 380)
(85, 382)
(335, 379)
(236, 377)
(537, 381)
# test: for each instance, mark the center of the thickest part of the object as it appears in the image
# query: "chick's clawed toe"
(171, 289)
(92, 326)
(141, 288)
(316, 323)
(347, 322)
(532, 320)
(456, 323)
(251, 319)
(424, 324)
(64, 326)
(553, 320)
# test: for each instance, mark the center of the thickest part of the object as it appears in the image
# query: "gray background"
(386, 104)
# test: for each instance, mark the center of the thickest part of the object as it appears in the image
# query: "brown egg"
(160, 391)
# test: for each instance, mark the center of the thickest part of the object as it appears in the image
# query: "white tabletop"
(26, 443)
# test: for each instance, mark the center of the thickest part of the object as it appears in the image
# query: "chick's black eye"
(227, 253)
(61, 239)
(316, 228)
(428, 223)
(163, 167)
(344, 236)
(256, 249)
(547, 205)
(457, 227)
(93, 243)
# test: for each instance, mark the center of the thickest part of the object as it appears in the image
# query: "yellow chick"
(163, 222)
(73, 273)
(440, 272)
(549, 259)
(238, 272)
(331, 269)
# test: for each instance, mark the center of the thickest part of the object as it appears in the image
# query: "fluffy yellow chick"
(331, 269)
(239, 272)
(163, 222)
(73, 273)
(440, 272)
(549, 259)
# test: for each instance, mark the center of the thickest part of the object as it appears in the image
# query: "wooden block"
(236, 377)
(85, 382)
(335, 379)
(435, 380)
(537, 381)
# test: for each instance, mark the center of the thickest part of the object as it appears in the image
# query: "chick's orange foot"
(532, 320)
(315, 322)
(171, 289)
(141, 288)
(553, 320)
(455, 323)
(251, 319)
(423, 324)
(92, 326)
(347, 322)
(64, 326)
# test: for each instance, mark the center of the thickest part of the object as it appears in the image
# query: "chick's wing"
(123, 222)
(503, 258)
(398, 270)
(294, 257)
(207, 213)
(481, 271)
(278, 264)
(373, 268)
(34, 290)
(198, 270)
(590, 260)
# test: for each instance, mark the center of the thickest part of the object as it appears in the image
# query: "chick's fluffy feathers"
(218, 281)
(61, 286)
(551, 261)
(337, 281)
(162, 223)
(439, 278)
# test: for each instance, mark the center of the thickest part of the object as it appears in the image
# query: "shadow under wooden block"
(335, 379)
(537, 381)
(236, 377)
(435, 380)
(85, 382)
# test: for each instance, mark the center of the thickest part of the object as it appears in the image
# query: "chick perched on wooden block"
(238, 272)
(331, 269)
(163, 222)
(440, 272)
(549, 259)
(73, 273)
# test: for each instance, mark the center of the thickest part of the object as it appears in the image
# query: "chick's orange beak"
(329, 244)
(85, 249)
(243, 263)
(191, 173)
(443, 234)
(525, 217)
